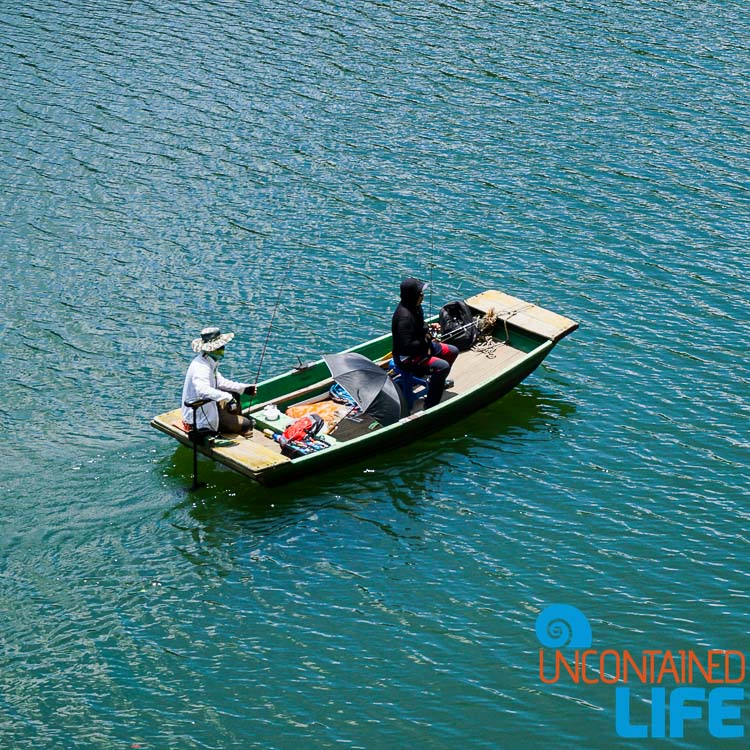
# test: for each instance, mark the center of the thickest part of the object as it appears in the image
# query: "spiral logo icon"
(563, 626)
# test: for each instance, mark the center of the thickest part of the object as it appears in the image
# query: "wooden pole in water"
(194, 436)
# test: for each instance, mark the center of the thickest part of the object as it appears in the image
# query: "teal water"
(162, 163)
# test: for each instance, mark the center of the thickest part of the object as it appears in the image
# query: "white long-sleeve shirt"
(203, 380)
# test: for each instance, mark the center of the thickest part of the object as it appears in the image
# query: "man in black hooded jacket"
(414, 348)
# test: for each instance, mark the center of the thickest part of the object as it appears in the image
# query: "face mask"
(216, 354)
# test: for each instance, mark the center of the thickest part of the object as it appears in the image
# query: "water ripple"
(163, 164)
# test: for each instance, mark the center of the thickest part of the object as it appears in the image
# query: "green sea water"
(167, 165)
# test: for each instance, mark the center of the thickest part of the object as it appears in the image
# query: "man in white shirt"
(204, 381)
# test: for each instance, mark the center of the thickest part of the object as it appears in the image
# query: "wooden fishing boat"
(522, 337)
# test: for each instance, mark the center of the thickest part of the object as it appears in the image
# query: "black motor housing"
(457, 325)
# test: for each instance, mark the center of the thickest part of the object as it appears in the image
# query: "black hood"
(410, 290)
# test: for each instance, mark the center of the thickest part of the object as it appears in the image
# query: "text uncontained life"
(669, 678)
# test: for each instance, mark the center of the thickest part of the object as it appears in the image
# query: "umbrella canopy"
(368, 384)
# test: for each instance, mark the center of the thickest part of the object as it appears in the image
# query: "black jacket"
(407, 327)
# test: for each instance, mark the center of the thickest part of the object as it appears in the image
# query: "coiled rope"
(488, 345)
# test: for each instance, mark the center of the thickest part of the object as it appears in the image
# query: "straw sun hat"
(211, 339)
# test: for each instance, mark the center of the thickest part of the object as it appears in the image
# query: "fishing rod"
(273, 317)
(432, 262)
(456, 331)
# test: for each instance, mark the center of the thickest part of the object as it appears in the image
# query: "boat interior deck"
(474, 367)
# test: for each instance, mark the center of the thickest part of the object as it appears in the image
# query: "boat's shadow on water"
(525, 412)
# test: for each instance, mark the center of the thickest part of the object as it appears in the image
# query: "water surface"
(165, 166)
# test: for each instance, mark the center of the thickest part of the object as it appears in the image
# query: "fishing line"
(273, 317)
